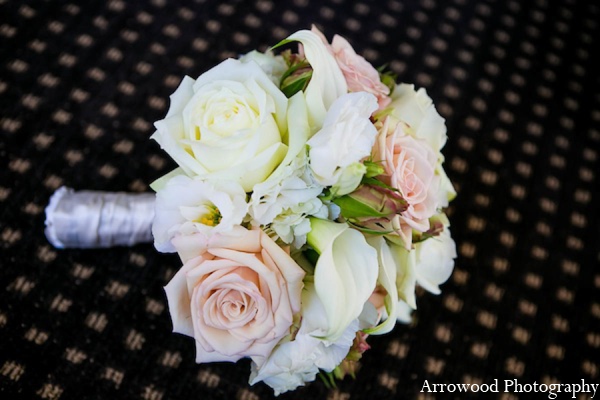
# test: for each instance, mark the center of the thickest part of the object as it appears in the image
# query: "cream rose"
(237, 296)
(228, 124)
(415, 110)
(409, 165)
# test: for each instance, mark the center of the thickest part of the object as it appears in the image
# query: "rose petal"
(179, 300)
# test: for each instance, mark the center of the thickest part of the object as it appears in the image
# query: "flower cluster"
(307, 205)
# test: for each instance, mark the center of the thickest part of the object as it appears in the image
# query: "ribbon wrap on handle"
(91, 219)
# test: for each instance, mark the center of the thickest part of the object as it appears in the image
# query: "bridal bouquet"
(306, 208)
(307, 205)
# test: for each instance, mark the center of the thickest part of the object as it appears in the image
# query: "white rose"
(189, 205)
(416, 109)
(231, 123)
(346, 137)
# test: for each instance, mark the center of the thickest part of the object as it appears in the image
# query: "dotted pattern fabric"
(82, 82)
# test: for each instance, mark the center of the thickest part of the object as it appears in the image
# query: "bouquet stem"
(91, 219)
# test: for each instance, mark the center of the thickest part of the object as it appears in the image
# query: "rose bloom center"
(233, 303)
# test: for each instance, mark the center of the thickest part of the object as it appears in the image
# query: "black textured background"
(82, 82)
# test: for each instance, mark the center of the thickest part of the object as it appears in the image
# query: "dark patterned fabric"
(81, 84)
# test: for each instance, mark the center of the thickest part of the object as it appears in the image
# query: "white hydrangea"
(285, 200)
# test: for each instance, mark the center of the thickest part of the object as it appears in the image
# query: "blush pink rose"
(236, 296)
(360, 75)
(409, 165)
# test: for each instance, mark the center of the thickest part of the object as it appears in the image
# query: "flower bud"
(349, 179)
(371, 201)
(373, 169)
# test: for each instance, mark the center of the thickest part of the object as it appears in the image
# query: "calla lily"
(345, 274)
(327, 82)
(387, 279)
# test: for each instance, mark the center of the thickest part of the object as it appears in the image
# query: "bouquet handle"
(93, 219)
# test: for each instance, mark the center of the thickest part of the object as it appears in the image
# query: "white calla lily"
(295, 362)
(387, 279)
(327, 82)
(406, 278)
(345, 274)
(403, 312)
(429, 265)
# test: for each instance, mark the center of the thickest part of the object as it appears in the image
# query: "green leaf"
(283, 42)
(389, 80)
(352, 208)
(381, 69)
(376, 182)
(299, 83)
(367, 230)
(312, 256)
(292, 69)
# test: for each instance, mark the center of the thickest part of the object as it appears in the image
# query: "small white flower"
(296, 362)
(346, 137)
(186, 205)
(285, 200)
(291, 186)
(435, 260)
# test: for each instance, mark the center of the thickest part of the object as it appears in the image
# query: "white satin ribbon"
(90, 219)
